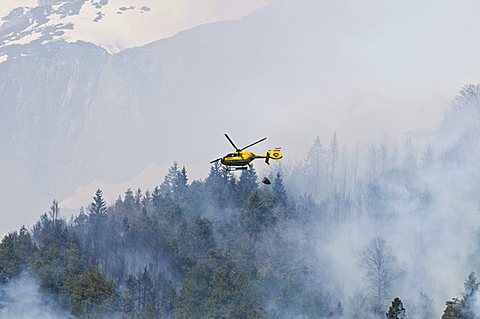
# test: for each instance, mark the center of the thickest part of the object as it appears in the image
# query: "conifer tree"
(138, 199)
(255, 216)
(156, 197)
(466, 304)
(247, 184)
(93, 293)
(279, 193)
(471, 286)
(396, 310)
(219, 184)
(452, 311)
(99, 206)
(182, 183)
(129, 200)
(147, 200)
(10, 263)
(170, 183)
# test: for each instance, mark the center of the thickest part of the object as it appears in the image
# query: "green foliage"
(256, 215)
(247, 185)
(99, 205)
(194, 241)
(396, 310)
(280, 196)
(16, 251)
(220, 186)
(192, 302)
(93, 293)
(217, 289)
(471, 286)
(453, 310)
(463, 308)
(180, 251)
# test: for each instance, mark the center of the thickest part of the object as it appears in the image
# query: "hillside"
(338, 236)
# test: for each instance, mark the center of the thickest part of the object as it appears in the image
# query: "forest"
(388, 230)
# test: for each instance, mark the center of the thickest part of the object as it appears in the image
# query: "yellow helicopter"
(239, 160)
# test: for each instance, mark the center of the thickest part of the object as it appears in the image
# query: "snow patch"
(6, 6)
(28, 38)
(112, 25)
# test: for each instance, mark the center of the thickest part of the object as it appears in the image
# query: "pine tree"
(396, 310)
(99, 206)
(147, 201)
(182, 183)
(129, 201)
(255, 215)
(54, 211)
(157, 198)
(147, 293)
(25, 247)
(466, 304)
(452, 311)
(138, 199)
(10, 263)
(220, 185)
(247, 184)
(170, 183)
(471, 286)
(279, 193)
(93, 294)
(192, 302)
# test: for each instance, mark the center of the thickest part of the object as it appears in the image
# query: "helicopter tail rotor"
(276, 154)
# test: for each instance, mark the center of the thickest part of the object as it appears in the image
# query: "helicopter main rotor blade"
(263, 139)
(231, 142)
(215, 160)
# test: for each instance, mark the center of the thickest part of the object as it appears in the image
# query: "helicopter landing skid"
(241, 168)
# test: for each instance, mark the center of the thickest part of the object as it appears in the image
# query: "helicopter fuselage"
(239, 158)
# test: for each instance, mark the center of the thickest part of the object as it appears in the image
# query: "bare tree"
(382, 272)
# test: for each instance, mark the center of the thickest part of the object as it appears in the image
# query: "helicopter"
(241, 159)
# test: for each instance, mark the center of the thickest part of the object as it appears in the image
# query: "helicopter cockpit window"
(230, 155)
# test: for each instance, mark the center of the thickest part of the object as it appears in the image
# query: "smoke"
(420, 197)
(22, 298)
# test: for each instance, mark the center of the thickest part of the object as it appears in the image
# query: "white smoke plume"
(22, 298)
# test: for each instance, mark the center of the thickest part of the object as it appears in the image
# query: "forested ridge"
(183, 251)
(340, 235)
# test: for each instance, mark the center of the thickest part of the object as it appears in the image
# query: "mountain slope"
(71, 113)
(113, 25)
